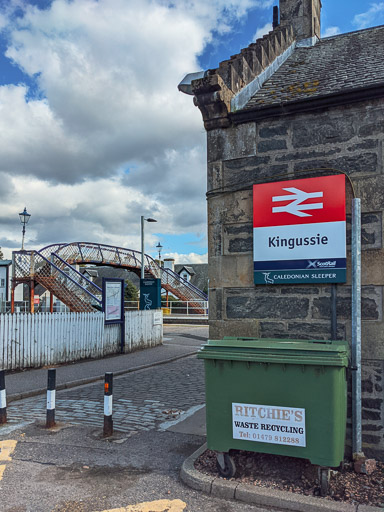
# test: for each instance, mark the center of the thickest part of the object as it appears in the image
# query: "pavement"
(159, 420)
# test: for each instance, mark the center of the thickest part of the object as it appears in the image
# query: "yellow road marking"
(153, 506)
(6, 448)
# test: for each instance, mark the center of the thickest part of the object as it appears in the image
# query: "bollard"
(3, 399)
(51, 398)
(108, 390)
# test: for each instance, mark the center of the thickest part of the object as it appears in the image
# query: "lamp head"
(24, 217)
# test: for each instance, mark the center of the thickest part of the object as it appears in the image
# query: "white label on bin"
(269, 424)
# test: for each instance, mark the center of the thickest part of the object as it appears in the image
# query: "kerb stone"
(224, 488)
(288, 501)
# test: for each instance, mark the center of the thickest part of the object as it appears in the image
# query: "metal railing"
(175, 307)
(102, 254)
(86, 284)
(56, 275)
(52, 267)
(42, 307)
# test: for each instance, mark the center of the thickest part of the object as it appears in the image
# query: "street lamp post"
(142, 242)
(159, 247)
(24, 218)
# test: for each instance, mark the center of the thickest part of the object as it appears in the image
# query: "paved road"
(73, 469)
(141, 400)
(178, 341)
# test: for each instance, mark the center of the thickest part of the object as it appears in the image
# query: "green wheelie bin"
(284, 397)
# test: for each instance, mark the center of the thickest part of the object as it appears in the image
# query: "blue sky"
(338, 16)
(93, 132)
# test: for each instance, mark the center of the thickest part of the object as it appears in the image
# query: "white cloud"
(3, 21)
(78, 215)
(109, 71)
(331, 31)
(108, 137)
(373, 16)
(186, 258)
(260, 32)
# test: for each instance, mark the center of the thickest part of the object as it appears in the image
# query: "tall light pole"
(142, 242)
(24, 218)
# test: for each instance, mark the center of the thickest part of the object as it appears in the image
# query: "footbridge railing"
(57, 276)
(53, 267)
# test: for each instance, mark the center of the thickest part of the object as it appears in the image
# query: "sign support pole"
(356, 328)
(333, 311)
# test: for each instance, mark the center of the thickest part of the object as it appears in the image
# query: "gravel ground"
(299, 476)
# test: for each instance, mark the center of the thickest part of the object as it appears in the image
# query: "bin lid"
(284, 351)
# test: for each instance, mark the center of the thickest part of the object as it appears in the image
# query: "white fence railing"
(41, 339)
(42, 307)
(175, 307)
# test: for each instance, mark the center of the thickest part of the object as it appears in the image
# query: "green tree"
(131, 292)
(1, 254)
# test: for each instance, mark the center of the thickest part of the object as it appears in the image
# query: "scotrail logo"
(321, 264)
(297, 197)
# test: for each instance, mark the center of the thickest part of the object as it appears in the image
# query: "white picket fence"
(42, 339)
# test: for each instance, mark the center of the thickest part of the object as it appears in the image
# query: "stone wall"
(348, 139)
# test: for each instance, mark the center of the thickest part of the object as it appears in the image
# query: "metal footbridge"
(54, 267)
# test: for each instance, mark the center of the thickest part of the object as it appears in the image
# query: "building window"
(2, 283)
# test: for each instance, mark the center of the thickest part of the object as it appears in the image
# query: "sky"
(93, 130)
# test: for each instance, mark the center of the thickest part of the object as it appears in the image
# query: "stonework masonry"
(346, 139)
(304, 16)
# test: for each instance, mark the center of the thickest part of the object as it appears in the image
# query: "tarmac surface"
(159, 430)
(179, 342)
(159, 421)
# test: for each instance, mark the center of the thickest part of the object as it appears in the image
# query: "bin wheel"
(324, 481)
(226, 465)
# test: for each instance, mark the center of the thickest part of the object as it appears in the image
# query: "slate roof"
(92, 273)
(200, 276)
(190, 270)
(119, 273)
(335, 64)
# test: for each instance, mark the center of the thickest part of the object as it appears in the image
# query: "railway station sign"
(150, 293)
(299, 231)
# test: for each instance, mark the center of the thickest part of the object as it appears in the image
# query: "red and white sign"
(319, 199)
(299, 225)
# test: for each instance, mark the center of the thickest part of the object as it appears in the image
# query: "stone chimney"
(169, 263)
(303, 15)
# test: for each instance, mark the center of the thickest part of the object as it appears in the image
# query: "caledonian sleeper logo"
(299, 231)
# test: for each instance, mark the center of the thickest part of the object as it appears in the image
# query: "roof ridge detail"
(214, 92)
(353, 32)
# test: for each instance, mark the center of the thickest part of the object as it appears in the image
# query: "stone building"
(293, 105)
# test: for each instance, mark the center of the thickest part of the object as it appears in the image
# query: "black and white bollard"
(108, 392)
(3, 399)
(51, 398)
